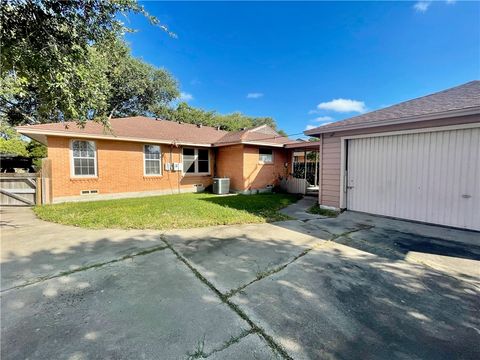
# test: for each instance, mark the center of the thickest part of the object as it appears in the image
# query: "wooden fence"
(18, 189)
(294, 185)
(27, 189)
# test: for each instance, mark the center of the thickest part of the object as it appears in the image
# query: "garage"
(416, 160)
(428, 176)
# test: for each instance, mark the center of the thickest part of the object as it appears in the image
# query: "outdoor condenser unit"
(221, 186)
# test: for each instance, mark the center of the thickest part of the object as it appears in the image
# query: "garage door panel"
(431, 177)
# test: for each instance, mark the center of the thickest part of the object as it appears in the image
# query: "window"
(265, 156)
(84, 158)
(152, 160)
(196, 161)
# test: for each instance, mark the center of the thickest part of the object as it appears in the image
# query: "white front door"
(431, 177)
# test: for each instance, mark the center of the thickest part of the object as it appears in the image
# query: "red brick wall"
(119, 169)
(257, 175)
(229, 163)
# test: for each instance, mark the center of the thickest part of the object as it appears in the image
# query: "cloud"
(323, 119)
(184, 96)
(343, 106)
(310, 127)
(422, 6)
(254, 95)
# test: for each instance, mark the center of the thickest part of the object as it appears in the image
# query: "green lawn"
(169, 211)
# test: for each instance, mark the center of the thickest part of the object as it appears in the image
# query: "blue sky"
(291, 60)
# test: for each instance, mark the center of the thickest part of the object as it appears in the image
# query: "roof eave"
(410, 119)
(32, 133)
(249, 143)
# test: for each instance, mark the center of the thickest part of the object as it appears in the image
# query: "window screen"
(188, 160)
(152, 156)
(265, 155)
(83, 153)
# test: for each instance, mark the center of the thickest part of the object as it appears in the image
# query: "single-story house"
(417, 160)
(144, 156)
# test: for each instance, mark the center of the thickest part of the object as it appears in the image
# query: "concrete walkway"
(288, 290)
(299, 209)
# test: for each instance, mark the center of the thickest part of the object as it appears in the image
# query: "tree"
(230, 122)
(134, 87)
(49, 68)
(37, 152)
(10, 141)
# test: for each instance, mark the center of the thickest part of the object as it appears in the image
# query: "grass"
(316, 209)
(169, 211)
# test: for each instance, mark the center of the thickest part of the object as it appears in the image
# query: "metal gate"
(18, 189)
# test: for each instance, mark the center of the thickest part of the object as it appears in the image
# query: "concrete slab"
(337, 302)
(149, 307)
(299, 209)
(33, 249)
(250, 347)
(464, 269)
(454, 251)
(232, 256)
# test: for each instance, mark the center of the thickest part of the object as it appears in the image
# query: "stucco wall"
(119, 170)
(329, 194)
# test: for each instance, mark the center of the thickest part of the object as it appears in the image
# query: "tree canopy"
(51, 69)
(230, 122)
(67, 60)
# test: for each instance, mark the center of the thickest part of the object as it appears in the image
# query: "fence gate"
(18, 189)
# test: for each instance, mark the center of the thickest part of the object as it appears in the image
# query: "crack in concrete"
(267, 273)
(199, 354)
(254, 327)
(85, 268)
(281, 267)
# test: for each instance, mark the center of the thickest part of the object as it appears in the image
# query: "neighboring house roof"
(457, 101)
(259, 135)
(145, 129)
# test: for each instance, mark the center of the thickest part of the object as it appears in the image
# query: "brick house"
(143, 156)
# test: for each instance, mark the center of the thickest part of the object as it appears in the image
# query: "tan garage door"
(432, 177)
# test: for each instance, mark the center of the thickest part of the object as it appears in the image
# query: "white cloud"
(184, 96)
(311, 112)
(310, 127)
(323, 119)
(422, 6)
(254, 95)
(343, 106)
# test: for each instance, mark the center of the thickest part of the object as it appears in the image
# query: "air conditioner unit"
(177, 166)
(168, 166)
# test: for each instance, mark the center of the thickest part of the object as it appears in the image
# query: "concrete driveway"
(356, 286)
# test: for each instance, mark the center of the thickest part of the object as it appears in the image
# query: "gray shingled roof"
(457, 98)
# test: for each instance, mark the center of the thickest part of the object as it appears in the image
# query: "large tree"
(51, 68)
(231, 122)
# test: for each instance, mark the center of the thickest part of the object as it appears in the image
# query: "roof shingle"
(457, 98)
(145, 128)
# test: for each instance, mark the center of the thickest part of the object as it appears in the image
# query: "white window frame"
(159, 160)
(195, 162)
(260, 161)
(72, 162)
